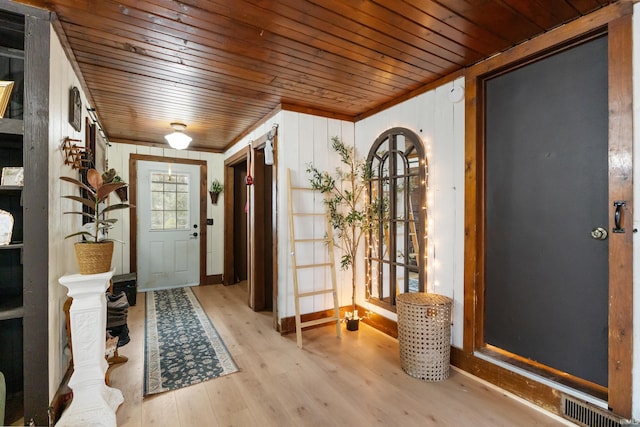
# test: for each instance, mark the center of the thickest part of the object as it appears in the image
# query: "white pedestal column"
(94, 403)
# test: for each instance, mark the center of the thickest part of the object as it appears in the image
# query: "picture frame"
(6, 87)
(6, 227)
(12, 176)
(75, 109)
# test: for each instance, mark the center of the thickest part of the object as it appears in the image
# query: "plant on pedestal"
(94, 253)
(345, 200)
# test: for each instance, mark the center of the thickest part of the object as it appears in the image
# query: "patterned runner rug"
(182, 347)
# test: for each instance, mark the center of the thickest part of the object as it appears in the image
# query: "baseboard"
(540, 394)
(381, 323)
(288, 324)
(62, 398)
(214, 279)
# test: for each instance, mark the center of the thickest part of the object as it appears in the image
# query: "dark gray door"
(546, 277)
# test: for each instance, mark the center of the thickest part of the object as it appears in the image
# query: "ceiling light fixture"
(178, 139)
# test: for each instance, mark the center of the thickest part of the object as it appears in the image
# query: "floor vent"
(587, 415)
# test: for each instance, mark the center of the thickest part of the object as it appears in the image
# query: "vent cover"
(587, 415)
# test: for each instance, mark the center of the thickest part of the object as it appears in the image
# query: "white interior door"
(168, 237)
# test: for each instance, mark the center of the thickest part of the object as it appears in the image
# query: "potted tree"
(94, 253)
(214, 190)
(345, 200)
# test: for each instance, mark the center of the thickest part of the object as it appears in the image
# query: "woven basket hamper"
(424, 335)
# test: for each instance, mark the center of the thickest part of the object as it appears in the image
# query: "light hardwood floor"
(355, 380)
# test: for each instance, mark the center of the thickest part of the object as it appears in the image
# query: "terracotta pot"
(214, 197)
(94, 258)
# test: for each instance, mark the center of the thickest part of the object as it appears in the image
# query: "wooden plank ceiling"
(221, 66)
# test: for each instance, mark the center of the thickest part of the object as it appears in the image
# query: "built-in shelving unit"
(24, 59)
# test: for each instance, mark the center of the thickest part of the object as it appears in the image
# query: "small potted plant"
(110, 176)
(214, 190)
(94, 253)
(346, 203)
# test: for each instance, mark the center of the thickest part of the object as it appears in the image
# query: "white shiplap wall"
(302, 139)
(440, 124)
(61, 253)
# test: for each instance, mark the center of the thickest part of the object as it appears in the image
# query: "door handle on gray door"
(599, 233)
(617, 216)
(195, 234)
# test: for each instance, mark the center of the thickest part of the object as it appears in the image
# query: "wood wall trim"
(274, 230)
(412, 94)
(260, 122)
(62, 397)
(214, 279)
(228, 270)
(533, 391)
(383, 324)
(236, 158)
(257, 235)
(35, 199)
(316, 112)
(621, 188)
(550, 40)
(133, 214)
(614, 19)
(229, 192)
(473, 186)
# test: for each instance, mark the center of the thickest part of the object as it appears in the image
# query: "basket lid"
(422, 298)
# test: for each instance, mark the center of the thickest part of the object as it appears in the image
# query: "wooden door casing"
(262, 229)
(616, 21)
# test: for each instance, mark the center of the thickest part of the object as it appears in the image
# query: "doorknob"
(599, 233)
(195, 234)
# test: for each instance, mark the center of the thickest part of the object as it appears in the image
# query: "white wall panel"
(118, 159)
(61, 253)
(215, 232)
(458, 249)
(302, 139)
(440, 124)
(287, 154)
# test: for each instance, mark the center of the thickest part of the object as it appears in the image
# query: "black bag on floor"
(117, 308)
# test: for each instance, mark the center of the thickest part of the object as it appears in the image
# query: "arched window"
(397, 241)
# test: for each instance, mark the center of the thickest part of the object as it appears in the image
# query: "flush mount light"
(178, 139)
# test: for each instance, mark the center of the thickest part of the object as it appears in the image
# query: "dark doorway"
(261, 286)
(240, 232)
(250, 227)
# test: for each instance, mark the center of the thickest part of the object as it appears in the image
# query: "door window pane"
(169, 201)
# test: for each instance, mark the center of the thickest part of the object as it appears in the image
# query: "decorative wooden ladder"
(327, 241)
